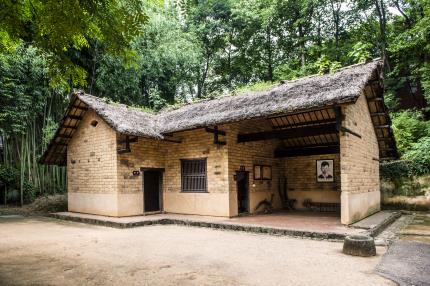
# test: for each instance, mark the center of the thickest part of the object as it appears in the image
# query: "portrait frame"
(329, 177)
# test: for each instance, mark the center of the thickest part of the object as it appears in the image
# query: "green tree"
(60, 27)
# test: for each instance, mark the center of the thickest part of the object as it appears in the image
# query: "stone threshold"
(376, 223)
(214, 225)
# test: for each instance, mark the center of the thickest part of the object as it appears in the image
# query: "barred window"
(193, 175)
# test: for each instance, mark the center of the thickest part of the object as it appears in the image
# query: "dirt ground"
(44, 251)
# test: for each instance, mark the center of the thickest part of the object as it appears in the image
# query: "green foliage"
(166, 66)
(416, 162)
(24, 88)
(410, 47)
(323, 65)
(60, 27)
(9, 177)
(396, 169)
(30, 191)
(409, 126)
(419, 154)
(360, 52)
(48, 131)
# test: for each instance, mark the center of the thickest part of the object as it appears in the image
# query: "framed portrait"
(325, 171)
(267, 172)
(257, 172)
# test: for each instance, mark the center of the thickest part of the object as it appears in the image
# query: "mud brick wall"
(151, 153)
(197, 144)
(359, 163)
(301, 175)
(145, 153)
(91, 168)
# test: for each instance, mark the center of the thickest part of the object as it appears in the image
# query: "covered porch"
(305, 159)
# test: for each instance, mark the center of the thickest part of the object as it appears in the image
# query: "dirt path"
(42, 251)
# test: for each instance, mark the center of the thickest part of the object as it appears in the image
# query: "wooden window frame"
(189, 176)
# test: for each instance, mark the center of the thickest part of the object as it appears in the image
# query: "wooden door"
(151, 190)
(242, 191)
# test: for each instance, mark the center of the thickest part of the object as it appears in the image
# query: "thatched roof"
(318, 91)
(122, 118)
(343, 86)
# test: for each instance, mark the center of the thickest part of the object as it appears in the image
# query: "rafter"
(289, 133)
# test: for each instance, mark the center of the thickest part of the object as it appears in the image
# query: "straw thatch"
(341, 87)
(122, 118)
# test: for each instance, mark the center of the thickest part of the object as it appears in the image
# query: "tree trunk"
(269, 54)
(380, 10)
(336, 20)
(302, 46)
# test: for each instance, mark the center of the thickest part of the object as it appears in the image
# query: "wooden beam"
(347, 130)
(74, 117)
(382, 126)
(216, 133)
(379, 114)
(375, 99)
(172, 140)
(215, 130)
(307, 151)
(288, 133)
(64, 136)
(123, 151)
(128, 140)
(307, 123)
(339, 117)
(387, 158)
(69, 126)
(80, 107)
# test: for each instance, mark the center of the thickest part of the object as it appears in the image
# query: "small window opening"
(194, 175)
(94, 123)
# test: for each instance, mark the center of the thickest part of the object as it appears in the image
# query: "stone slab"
(377, 222)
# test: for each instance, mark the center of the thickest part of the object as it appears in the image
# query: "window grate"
(194, 178)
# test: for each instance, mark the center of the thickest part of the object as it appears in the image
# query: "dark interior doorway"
(242, 191)
(152, 180)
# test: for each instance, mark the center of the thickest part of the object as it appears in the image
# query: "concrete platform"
(297, 224)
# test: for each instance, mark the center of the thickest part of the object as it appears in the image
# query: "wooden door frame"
(160, 186)
(247, 192)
